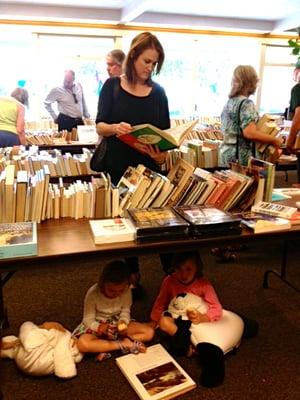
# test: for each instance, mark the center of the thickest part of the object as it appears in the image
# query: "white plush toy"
(225, 333)
(43, 350)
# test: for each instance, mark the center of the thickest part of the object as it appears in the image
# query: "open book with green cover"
(147, 134)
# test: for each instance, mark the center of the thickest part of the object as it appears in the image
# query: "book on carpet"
(18, 239)
(207, 219)
(147, 134)
(260, 223)
(155, 375)
(112, 230)
(157, 223)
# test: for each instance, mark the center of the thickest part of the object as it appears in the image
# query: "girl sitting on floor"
(106, 324)
(212, 331)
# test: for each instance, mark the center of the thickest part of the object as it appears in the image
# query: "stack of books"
(209, 220)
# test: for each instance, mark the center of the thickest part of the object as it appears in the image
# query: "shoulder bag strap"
(240, 132)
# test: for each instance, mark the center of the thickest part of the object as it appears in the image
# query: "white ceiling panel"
(256, 15)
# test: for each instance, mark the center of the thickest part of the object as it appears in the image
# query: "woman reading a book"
(106, 324)
(133, 99)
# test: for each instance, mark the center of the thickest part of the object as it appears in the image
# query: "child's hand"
(195, 316)
(102, 328)
(122, 328)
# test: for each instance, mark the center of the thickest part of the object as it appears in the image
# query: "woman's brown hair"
(244, 81)
(140, 43)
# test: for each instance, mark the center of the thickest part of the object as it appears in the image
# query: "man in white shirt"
(70, 102)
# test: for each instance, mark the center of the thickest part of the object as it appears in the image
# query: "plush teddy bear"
(212, 340)
(43, 350)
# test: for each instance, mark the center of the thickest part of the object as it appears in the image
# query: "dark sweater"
(116, 105)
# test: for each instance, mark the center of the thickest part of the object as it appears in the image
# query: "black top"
(116, 105)
(295, 98)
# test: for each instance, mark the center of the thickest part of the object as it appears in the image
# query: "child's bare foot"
(129, 346)
(10, 345)
(102, 356)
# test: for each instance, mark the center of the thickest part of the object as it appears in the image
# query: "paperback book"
(157, 224)
(147, 134)
(206, 220)
(18, 239)
(112, 230)
(260, 223)
(155, 375)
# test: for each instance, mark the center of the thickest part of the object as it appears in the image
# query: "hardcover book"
(205, 220)
(18, 239)
(112, 230)
(155, 375)
(147, 134)
(260, 223)
(157, 223)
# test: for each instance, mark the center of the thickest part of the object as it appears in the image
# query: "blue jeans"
(8, 139)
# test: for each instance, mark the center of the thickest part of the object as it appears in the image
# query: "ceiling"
(267, 16)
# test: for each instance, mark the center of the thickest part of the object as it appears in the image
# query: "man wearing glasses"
(70, 102)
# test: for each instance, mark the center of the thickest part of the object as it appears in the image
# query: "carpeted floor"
(265, 367)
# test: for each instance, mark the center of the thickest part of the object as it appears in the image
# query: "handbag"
(97, 162)
(241, 133)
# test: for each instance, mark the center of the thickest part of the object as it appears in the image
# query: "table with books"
(64, 239)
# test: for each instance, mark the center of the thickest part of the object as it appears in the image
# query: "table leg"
(282, 274)
(4, 277)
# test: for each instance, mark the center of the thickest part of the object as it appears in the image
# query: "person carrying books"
(240, 134)
(106, 325)
(213, 332)
(133, 99)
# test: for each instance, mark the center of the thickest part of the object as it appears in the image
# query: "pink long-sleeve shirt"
(171, 287)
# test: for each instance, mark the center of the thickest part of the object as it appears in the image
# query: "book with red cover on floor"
(147, 134)
(155, 375)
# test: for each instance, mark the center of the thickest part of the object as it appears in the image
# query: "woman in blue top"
(239, 112)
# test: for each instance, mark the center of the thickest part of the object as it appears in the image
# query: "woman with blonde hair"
(239, 118)
(12, 118)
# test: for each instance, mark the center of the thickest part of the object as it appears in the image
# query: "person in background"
(12, 118)
(114, 62)
(132, 99)
(238, 126)
(70, 102)
(107, 324)
(240, 138)
(294, 110)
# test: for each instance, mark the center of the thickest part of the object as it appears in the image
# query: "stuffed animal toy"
(212, 340)
(43, 350)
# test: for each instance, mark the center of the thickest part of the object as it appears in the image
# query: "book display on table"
(18, 239)
(157, 224)
(209, 220)
(155, 375)
(278, 210)
(147, 134)
(259, 223)
(112, 230)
